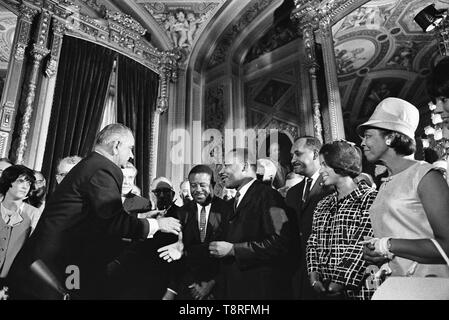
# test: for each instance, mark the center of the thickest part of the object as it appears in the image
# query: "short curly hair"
(11, 174)
(344, 157)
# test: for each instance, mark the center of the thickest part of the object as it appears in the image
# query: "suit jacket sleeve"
(277, 235)
(105, 202)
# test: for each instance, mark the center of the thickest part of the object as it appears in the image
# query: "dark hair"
(438, 81)
(37, 196)
(344, 157)
(312, 143)
(11, 174)
(202, 168)
(402, 144)
(245, 155)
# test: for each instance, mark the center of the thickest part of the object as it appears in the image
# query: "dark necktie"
(306, 192)
(236, 200)
(203, 223)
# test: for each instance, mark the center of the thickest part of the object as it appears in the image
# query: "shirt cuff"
(172, 291)
(154, 227)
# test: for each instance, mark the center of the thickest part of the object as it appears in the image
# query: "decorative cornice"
(126, 21)
(27, 13)
(315, 11)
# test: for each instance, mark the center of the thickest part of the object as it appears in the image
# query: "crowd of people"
(323, 231)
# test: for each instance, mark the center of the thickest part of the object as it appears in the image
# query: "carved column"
(38, 52)
(39, 131)
(333, 93)
(312, 65)
(167, 72)
(14, 79)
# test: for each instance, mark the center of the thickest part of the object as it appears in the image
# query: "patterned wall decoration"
(182, 21)
(214, 108)
(381, 52)
(275, 37)
(271, 100)
(234, 29)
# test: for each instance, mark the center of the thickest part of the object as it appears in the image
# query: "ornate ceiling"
(379, 49)
(380, 52)
(7, 28)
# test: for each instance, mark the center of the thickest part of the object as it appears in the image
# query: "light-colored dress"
(398, 212)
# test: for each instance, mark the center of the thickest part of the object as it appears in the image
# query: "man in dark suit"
(302, 200)
(80, 220)
(143, 275)
(203, 220)
(254, 253)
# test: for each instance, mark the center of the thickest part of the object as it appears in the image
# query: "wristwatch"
(390, 254)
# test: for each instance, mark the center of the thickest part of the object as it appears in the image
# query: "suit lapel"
(213, 222)
(245, 200)
(193, 220)
(316, 189)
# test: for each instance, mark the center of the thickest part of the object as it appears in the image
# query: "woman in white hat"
(413, 201)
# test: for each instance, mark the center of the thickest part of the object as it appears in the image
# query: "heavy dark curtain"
(137, 89)
(80, 93)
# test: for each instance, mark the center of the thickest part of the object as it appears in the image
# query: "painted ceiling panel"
(381, 52)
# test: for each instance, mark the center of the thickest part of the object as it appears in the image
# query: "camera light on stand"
(438, 134)
(429, 130)
(436, 118)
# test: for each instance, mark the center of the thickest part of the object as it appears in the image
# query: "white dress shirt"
(198, 211)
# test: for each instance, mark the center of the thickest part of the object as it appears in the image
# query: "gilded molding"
(333, 91)
(314, 11)
(38, 53)
(125, 21)
(8, 112)
(58, 32)
(24, 27)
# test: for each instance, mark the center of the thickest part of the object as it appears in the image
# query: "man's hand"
(172, 251)
(201, 291)
(316, 284)
(169, 225)
(220, 249)
(334, 289)
(151, 214)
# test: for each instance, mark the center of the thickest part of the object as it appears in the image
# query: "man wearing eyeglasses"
(65, 165)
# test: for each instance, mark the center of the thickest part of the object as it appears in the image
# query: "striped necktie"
(203, 223)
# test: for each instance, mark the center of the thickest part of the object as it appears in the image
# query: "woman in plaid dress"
(340, 222)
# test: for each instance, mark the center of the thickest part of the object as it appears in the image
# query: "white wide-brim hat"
(393, 114)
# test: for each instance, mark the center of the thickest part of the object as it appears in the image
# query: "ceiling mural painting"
(8, 22)
(380, 52)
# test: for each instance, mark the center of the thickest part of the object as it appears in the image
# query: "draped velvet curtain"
(137, 89)
(79, 98)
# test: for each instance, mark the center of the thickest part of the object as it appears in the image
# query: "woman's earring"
(388, 142)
